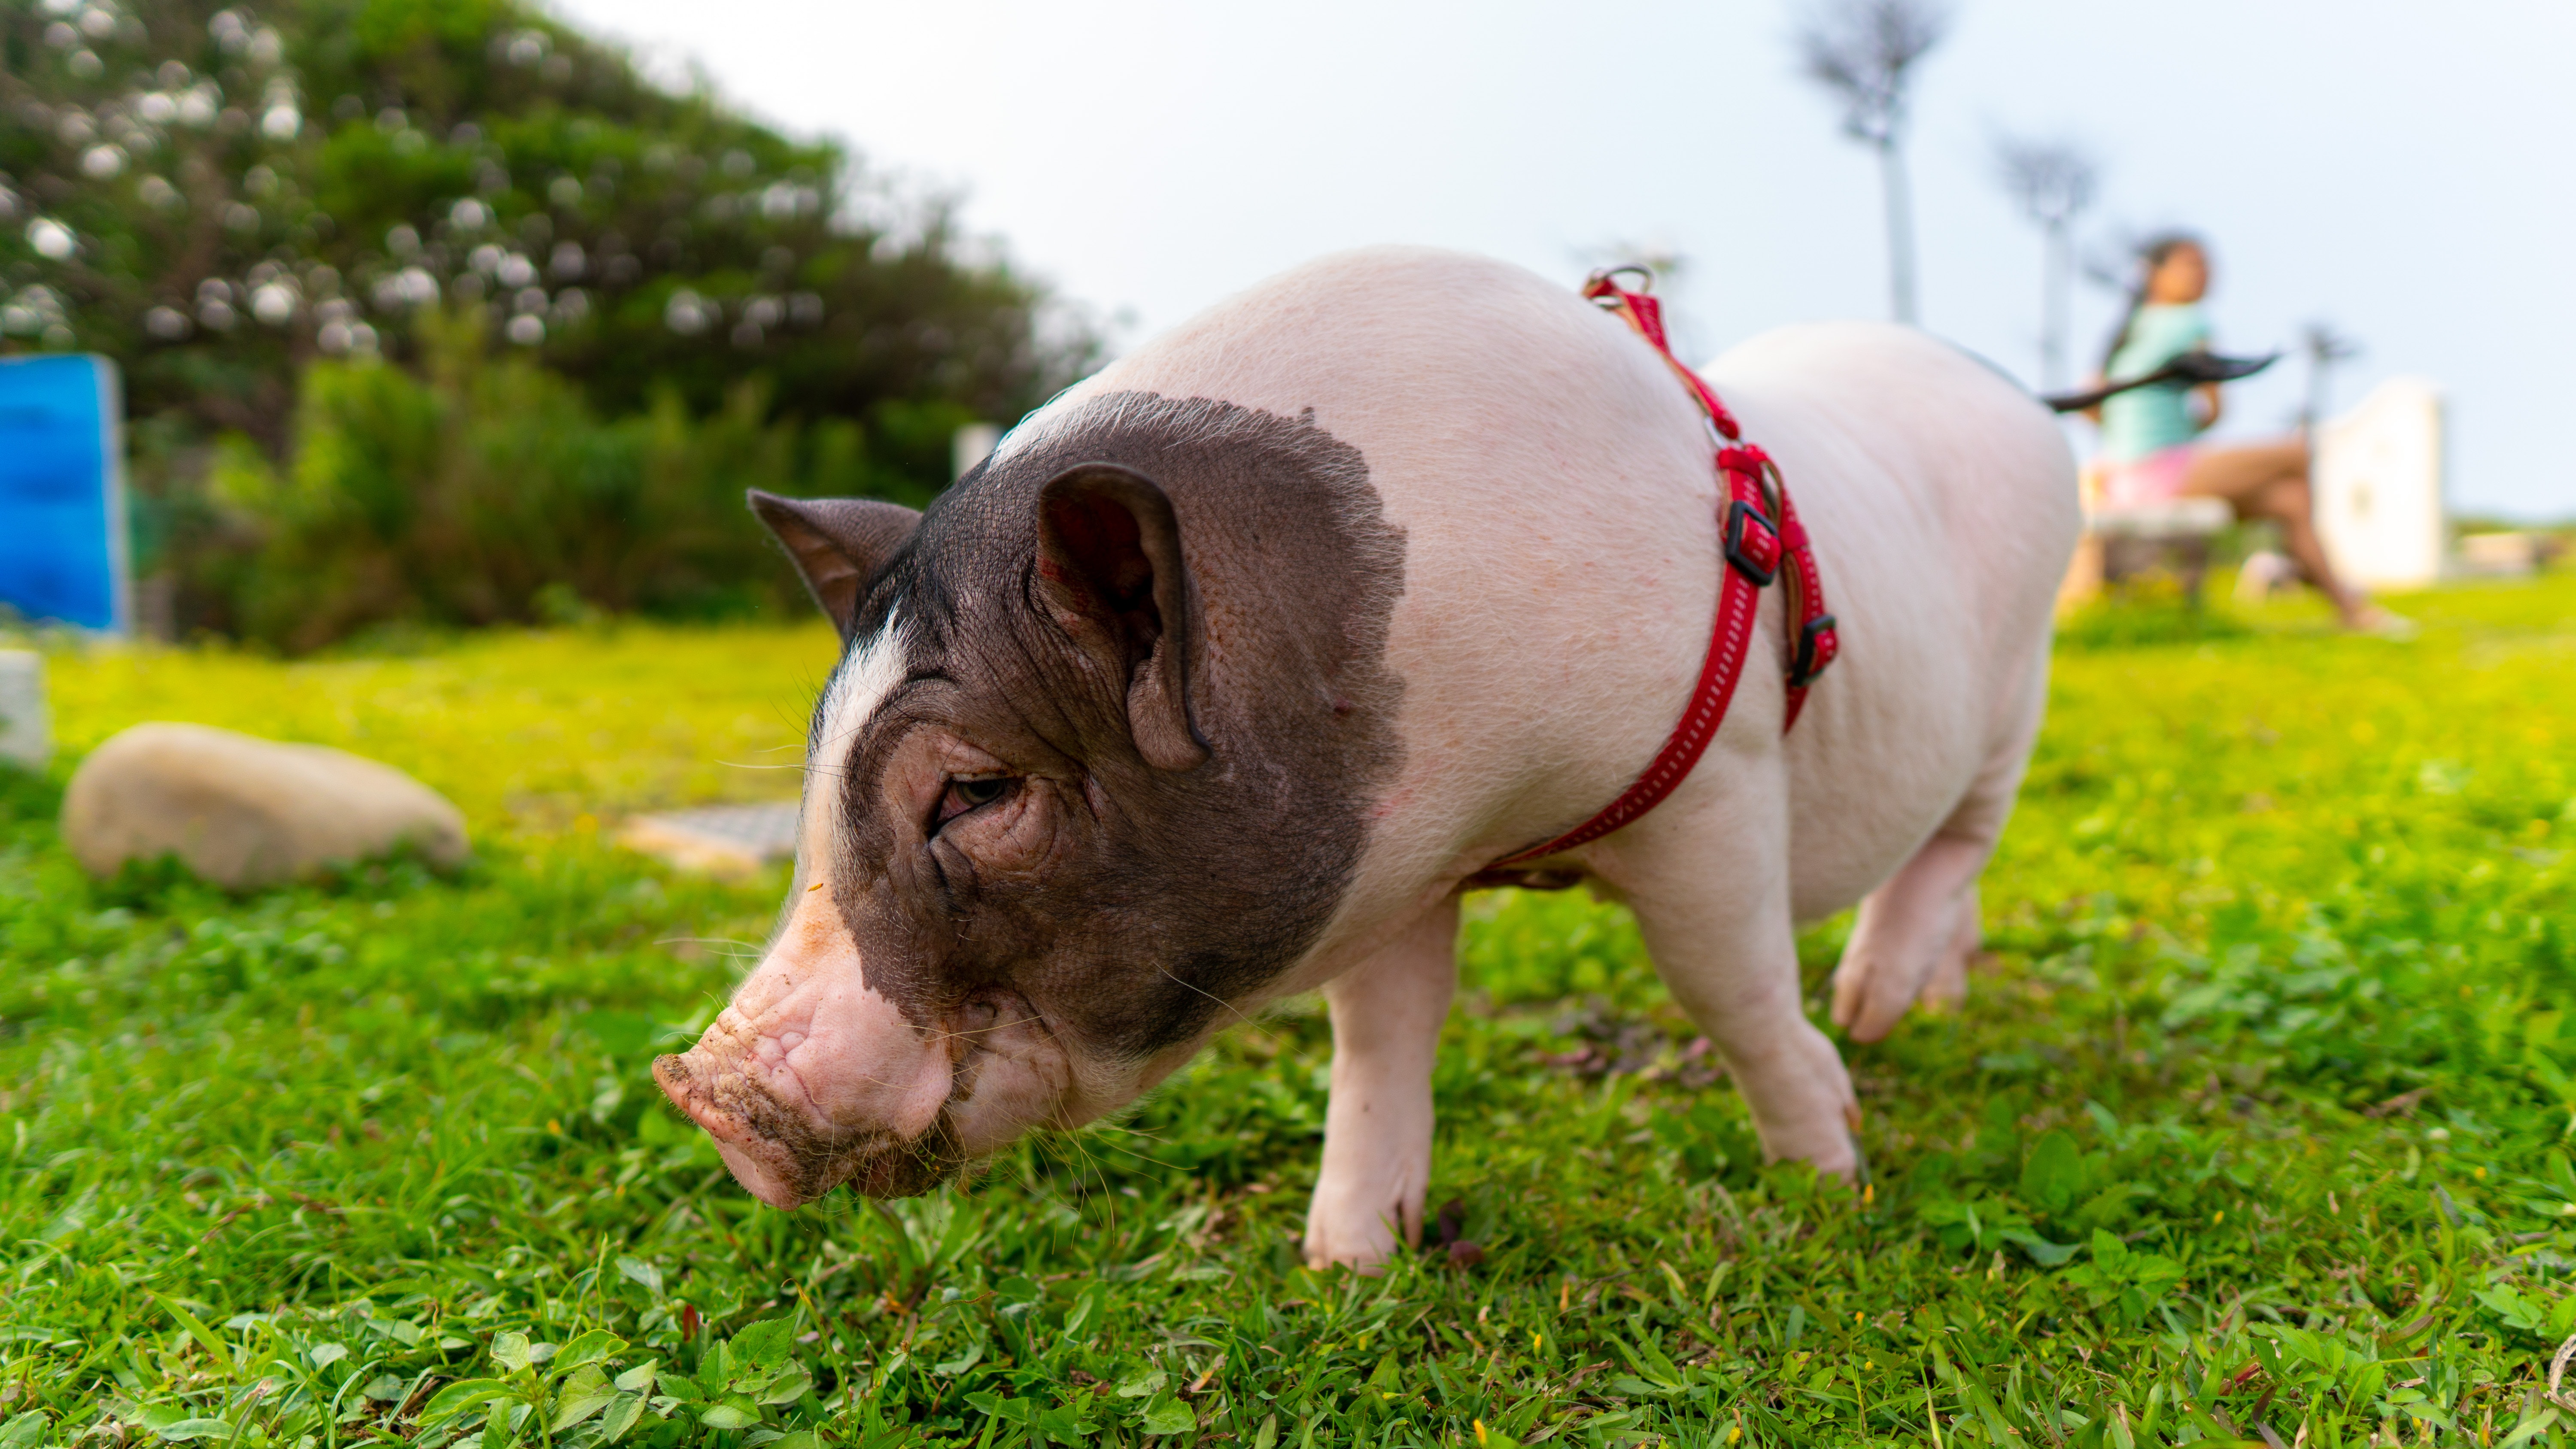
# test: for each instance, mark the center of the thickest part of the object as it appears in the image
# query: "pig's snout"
(810, 1078)
(761, 1166)
(787, 1143)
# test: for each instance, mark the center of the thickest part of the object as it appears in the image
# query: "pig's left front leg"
(1387, 1012)
(1708, 876)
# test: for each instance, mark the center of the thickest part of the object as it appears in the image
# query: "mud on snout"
(782, 1156)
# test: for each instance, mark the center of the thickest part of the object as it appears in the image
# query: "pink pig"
(1223, 676)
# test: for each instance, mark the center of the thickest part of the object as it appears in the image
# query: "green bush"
(489, 491)
(220, 197)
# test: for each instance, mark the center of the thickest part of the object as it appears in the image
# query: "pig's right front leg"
(1387, 1012)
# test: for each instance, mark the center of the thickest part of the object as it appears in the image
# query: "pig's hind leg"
(1387, 1013)
(1710, 886)
(1913, 935)
(1916, 933)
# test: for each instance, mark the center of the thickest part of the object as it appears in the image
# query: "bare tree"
(2324, 348)
(2053, 182)
(1864, 52)
(1657, 256)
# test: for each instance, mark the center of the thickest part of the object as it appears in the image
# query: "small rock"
(244, 812)
(724, 840)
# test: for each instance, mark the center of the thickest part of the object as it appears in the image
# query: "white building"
(2379, 487)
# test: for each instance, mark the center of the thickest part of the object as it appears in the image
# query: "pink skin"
(794, 1033)
(1377, 1126)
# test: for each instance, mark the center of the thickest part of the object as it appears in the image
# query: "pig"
(1234, 666)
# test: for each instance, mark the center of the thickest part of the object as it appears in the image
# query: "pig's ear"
(1110, 574)
(836, 542)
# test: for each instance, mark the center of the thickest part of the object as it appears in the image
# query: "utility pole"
(2054, 182)
(1864, 54)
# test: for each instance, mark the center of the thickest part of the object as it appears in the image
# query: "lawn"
(2254, 1128)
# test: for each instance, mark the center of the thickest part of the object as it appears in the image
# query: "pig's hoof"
(1880, 978)
(1948, 987)
(1871, 992)
(1813, 1112)
(1364, 1249)
(1351, 1236)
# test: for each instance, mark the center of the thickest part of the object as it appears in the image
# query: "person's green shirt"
(2151, 419)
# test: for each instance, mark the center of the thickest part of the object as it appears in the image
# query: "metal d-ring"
(1646, 276)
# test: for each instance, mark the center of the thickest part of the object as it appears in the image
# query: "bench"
(2123, 542)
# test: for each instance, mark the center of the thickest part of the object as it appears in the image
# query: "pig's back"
(1941, 499)
(1553, 483)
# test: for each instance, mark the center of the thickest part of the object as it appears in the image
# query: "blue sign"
(62, 491)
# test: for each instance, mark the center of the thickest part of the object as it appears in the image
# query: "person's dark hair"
(2152, 253)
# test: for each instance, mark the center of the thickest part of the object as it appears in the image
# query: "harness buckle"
(1752, 543)
(1818, 646)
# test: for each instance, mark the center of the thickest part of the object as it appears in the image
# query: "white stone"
(2379, 487)
(245, 812)
(972, 444)
(726, 840)
(26, 734)
(2506, 555)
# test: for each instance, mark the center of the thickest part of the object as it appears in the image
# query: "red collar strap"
(1762, 539)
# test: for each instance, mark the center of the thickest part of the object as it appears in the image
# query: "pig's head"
(1094, 771)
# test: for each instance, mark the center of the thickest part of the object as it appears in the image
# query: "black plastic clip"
(1756, 556)
(1812, 643)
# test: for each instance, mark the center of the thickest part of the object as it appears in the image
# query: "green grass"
(2256, 1121)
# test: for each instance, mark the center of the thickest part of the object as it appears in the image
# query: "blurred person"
(2150, 449)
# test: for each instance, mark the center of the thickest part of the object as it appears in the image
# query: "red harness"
(1756, 548)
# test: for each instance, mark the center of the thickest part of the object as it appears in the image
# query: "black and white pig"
(1222, 676)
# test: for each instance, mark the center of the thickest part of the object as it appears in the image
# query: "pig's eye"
(971, 794)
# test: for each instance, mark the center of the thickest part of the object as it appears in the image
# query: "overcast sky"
(2403, 171)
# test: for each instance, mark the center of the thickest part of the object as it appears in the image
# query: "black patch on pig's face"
(1127, 904)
